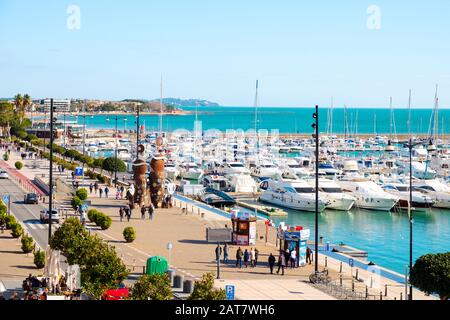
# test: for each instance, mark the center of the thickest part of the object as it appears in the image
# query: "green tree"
(100, 266)
(155, 287)
(39, 259)
(431, 274)
(75, 202)
(204, 289)
(129, 234)
(16, 230)
(110, 164)
(27, 101)
(18, 165)
(27, 244)
(82, 194)
(18, 102)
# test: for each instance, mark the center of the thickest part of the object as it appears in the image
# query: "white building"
(59, 105)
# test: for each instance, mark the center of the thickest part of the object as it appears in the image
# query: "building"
(59, 105)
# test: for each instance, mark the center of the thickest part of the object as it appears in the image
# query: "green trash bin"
(156, 264)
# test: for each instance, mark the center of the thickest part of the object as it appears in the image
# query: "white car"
(44, 216)
(3, 174)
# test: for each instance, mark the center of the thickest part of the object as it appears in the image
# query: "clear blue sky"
(303, 52)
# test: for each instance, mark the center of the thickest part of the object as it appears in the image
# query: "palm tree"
(18, 101)
(27, 102)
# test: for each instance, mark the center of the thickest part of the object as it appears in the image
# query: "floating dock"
(265, 210)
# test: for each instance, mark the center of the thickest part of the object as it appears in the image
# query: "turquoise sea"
(286, 120)
(384, 235)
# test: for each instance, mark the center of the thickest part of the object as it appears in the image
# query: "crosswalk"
(36, 225)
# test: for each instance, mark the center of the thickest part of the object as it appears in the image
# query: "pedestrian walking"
(271, 262)
(100, 192)
(122, 190)
(239, 255)
(252, 257)
(246, 257)
(308, 255)
(117, 194)
(121, 213)
(151, 210)
(130, 212)
(281, 263)
(225, 253)
(218, 252)
(91, 187)
(77, 185)
(256, 256)
(293, 258)
(106, 191)
(96, 187)
(143, 210)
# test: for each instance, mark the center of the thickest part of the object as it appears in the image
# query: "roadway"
(28, 214)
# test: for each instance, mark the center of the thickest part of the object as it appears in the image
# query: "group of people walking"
(245, 257)
(97, 189)
(127, 211)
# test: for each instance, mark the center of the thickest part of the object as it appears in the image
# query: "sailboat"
(390, 147)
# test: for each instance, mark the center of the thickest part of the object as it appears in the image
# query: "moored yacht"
(331, 192)
(297, 195)
(190, 171)
(368, 194)
(420, 201)
(435, 189)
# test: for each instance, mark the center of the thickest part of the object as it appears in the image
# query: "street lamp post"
(115, 152)
(316, 241)
(50, 184)
(137, 130)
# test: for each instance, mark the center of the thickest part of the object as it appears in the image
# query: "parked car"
(31, 198)
(44, 216)
(3, 174)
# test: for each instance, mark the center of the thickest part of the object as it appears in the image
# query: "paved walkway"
(273, 290)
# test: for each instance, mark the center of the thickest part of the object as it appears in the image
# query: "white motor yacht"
(420, 201)
(266, 169)
(232, 168)
(296, 194)
(368, 194)
(171, 170)
(435, 189)
(331, 192)
(190, 171)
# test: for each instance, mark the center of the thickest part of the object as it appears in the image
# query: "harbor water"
(286, 120)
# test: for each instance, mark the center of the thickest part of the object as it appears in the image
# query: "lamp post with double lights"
(116, 117)
(50, 184)
(315, 126)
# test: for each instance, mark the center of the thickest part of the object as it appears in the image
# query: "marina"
(363, 187)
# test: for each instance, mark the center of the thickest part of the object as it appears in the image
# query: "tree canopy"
(155, 287)
(204, 289)
(431, 274)
(100, 266)
(110, 164)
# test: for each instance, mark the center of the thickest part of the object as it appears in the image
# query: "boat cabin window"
(427, 188)
(332, 190)
(294, 166)
(304, 190)
(403, 189)
(236, 165)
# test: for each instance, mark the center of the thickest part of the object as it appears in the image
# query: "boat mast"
(161, 107)
(409, 115)
(256, 116)
(390, 119)
(436, 117)
(331, 116)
